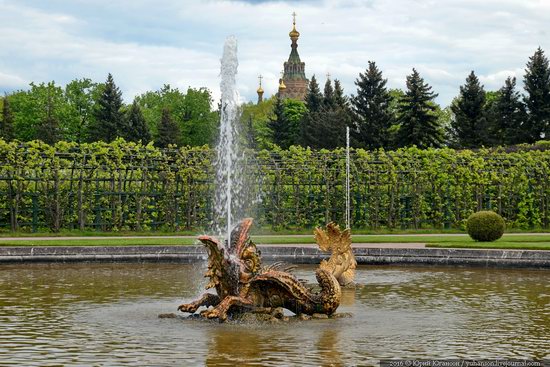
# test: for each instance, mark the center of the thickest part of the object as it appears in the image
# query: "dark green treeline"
(379, 117)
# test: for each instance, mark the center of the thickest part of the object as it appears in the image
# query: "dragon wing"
(239, 236)
(322, 239)
(216, 254)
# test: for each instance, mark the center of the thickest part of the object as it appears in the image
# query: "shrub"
(485, 226)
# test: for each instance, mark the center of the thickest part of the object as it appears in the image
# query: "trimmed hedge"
(485, 226)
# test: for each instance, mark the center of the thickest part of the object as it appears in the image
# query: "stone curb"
(289, 254)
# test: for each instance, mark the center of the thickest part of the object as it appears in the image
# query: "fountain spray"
(347, 180)
(226, 151)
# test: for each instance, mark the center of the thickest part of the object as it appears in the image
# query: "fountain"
(242, 284)
(234, 263)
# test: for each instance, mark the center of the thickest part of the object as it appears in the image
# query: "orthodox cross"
(260, 77)
(294, 18)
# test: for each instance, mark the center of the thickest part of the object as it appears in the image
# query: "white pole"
(348, 217)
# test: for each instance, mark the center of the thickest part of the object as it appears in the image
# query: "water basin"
(107, 314)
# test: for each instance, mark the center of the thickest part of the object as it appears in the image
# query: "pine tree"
(470, 120)
(329, 101)
(279, 125)
(310, 126)
(6, 130)
(137, 129)
(537, 85)
(169, 131)
(325, 128)
(108, 116)
(48, 130)
(314, 98)
(339, 98)
(508, 116)
(416, 115)
(371, 107)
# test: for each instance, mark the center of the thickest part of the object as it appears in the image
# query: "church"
(293, 83)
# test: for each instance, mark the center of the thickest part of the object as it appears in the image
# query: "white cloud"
(146, 44)
(10, 81)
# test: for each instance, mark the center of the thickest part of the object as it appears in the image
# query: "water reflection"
(106, 314)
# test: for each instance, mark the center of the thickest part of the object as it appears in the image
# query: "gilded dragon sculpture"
(342, 262)
(242, 284)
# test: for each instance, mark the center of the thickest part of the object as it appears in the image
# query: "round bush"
(485, 226)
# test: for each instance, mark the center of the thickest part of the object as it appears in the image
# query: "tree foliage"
(109, 119)
(470, 120)
(285, 122)
(537, 85)
(81, 95)
(137, 129)
(371, 107)
(416, 115)
(508, 116)
(255, 119)
(324, 124)
(6, 128)
(168, 131)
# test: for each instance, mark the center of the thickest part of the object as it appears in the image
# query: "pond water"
(106, 314)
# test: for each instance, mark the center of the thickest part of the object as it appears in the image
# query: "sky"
(146, 44)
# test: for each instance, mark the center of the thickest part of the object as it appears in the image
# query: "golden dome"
(260, 90)
(281, 84)
(294, 33)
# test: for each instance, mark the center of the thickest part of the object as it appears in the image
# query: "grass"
(535, 242)
(494, 245)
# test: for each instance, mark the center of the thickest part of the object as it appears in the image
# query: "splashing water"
(229, 183)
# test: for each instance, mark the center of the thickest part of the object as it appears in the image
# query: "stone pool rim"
(507, 258)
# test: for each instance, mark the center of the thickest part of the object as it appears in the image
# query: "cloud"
(11, 82)
(146, 44)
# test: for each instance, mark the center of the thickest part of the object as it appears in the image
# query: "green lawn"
(495, 245)
(458, 241)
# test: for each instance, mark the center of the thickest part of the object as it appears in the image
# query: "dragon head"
(333, 239)
(232, 264)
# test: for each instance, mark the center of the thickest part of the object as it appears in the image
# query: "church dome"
(294, 34)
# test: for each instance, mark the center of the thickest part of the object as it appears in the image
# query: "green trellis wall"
(125, 186)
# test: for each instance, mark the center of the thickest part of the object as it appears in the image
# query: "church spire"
(260, 90)
(294, 34)
(293, 83)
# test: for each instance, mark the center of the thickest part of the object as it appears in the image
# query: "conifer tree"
(371, 107)
(279, 125)
(416, 115)
(325, 128)
(108, 116)
(537, 85)
(310, 126)
(508, 116)
(339, 98)
(470, 120)
(137, 128)
(314, 98)
(329, 101)
(6, 130)
(168, 130)
(48, 130)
